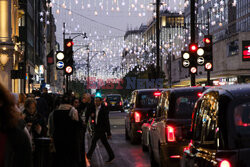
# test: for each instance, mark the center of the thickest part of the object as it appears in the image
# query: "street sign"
(208, 66)
(193, 70)
(200, 60)
(186, 63)
(68, 69)
(60, 64)
(246, 50)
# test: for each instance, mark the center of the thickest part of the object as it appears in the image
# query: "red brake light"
(106, 104)
(137, 117)
(225, 163)
(120, 103)
(170, 134)
(199, 94)
(156, 94)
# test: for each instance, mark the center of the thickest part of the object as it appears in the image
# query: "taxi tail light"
(157, 94)
(199, 94)
(225, 163)
(170, 131)
(106, 104)
(137, 117)
(120, 103)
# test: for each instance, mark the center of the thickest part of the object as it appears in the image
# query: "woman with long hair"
(15, 148)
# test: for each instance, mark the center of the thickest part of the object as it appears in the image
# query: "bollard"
(42, 156)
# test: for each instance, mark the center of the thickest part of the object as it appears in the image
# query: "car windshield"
(146, 100)
(113, 98)
(184, 105)
(242, 119)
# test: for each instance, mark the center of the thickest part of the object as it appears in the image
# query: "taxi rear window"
(146, 100)
(242, 118)
(184, 105)
(113, 98)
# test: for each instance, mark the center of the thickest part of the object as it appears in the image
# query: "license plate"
(113, 104)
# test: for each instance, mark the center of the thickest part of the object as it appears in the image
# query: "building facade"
(24, 31)
(228, 21)
(10, 48)
(141, 51)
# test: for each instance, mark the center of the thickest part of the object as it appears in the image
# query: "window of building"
(233, 48)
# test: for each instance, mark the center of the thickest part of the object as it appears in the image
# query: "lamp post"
(88, 57)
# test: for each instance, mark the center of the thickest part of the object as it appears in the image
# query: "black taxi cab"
(220, 132)
(142, 108)
(168, 134)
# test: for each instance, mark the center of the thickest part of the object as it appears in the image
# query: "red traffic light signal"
(207, 40)
(70, 44)
(193, 47)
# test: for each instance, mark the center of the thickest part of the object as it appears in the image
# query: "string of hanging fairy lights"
(114, 47)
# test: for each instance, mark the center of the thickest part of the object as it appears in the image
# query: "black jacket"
(103, 124)
(90, 109)
(17, 149)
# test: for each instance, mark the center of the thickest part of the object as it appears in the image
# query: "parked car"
(220, 133)
(114, 102)
(172, 124)
(146, 126)
(142, 107)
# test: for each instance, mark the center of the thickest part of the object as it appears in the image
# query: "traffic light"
(193, 47)
(68, 53)
(185, 55)
(200, 56)
(98, 93)
(208, 52)
(60, 64)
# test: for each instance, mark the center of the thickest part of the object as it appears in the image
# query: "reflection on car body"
(220, 129)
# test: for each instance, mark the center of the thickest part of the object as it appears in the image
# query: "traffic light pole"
(158, 38)
(88, 69)
(208, 72)
(66, 76)
(192, 12)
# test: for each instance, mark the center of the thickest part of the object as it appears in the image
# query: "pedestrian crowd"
(61, 118)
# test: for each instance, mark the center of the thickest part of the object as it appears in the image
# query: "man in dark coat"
(100, 119)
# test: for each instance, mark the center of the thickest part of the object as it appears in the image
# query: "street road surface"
(126, 155)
